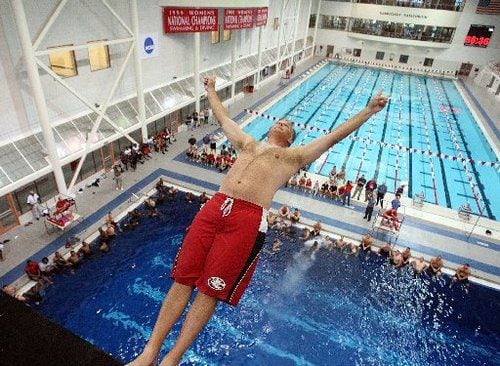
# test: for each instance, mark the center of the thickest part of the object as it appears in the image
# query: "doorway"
(9, 216)
(329, 50)
(465, 69)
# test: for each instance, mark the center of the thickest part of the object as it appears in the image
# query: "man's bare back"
(260, 170)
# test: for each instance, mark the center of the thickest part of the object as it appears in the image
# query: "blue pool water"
(333, 310)
(423, 113)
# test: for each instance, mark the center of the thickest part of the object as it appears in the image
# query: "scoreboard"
(479, 35)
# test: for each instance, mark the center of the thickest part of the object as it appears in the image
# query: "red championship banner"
(260, 16)
(238, 18)
(184, 20)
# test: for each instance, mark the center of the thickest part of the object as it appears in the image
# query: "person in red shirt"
(33, 271)
(309, 184)
(62, 205)
(347, 193)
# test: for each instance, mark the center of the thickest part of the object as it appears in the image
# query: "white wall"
(84, 21)
(447, 58)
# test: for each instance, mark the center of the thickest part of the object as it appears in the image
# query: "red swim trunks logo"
(216, 283)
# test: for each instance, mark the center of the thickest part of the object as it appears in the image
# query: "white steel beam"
(306, 32)
(83, 100)
(49, 23)
(316, 26)
(38, 94)
(138, 71)
(197, 53)
(82, 46)
(120, 20)
(296, 20)
(259, 57)
(233, 66)
(102, 110)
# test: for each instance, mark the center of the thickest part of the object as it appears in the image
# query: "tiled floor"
(428, 231)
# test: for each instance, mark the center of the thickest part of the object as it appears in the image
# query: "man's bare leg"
(174, 304)
(198, 316)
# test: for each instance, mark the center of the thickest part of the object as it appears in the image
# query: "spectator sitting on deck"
(435, 266)
(59, 261)
(461, 275)
(419, 265)
(284, 212)
(46, 266)
(385, 250)
(295, 216)
(316, 229)
(366, 243)
(33, 271)
(85, 249)
(11, 291)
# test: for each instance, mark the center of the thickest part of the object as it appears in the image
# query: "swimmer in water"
(220, 249)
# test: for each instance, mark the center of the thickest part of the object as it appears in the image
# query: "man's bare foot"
(146, 358)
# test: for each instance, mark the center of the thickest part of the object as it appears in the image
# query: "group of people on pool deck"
(283, 220)
(42, 272)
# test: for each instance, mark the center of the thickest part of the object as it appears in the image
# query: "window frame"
(108, 57)
(73, 57)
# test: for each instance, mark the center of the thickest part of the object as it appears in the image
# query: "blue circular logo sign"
(149, 45)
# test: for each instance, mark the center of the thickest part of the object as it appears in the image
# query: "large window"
(99, 57)
(410, 31)
(452, 5)
(63, 63)
(333, 22)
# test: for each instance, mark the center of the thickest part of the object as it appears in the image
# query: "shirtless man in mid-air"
(220, 249)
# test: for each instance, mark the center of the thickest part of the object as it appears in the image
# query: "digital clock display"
(479, 35)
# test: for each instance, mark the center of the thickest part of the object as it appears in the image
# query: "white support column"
(295, 31)
(259, 58)
(316, 25)
(38, 95)
(304, 45)
(281, 27)
(138, 71)
(197, 52)
(233, 66)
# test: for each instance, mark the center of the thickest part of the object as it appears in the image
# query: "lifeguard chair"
(387, 226)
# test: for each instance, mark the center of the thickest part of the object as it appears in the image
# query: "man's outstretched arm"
(233, 132)
(313, 150)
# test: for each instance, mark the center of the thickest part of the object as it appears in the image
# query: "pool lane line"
(469, 153)
(428, 142)
(400, 102)
(327, 96)
(438, 144)
(280, 88)
(486, 117)
(410, 142)
(314, 90)
(311, 90)
(384, 131)
(326, 108)
(370, 131)
(356, 133)
(477, 198)
(387, 145)
(316, 94)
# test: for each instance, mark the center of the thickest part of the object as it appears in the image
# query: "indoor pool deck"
(426, 231)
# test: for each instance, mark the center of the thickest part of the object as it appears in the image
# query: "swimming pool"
(423, 113)
(333, 310)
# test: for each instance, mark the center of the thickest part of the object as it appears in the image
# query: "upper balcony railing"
(451, 5)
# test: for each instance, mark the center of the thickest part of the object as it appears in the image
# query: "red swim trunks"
(220, 249)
